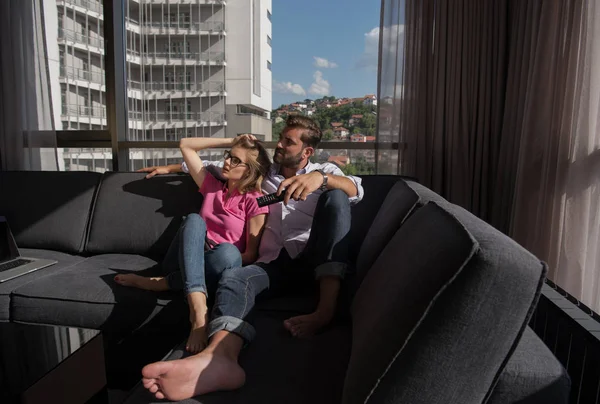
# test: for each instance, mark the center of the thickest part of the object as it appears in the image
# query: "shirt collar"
(307, 169)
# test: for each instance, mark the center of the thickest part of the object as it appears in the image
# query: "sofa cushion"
(425, 194)
(85, 295)
(48, 210)
(424, 255)
(464, 339)
(398, 204)
(280, 368)
(376, 188)
(6, 288)
(134, 215)
(532, 375)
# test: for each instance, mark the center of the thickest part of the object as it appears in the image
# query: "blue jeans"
(326, 253)
(191, 269)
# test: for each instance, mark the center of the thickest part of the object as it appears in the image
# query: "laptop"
(12, 265)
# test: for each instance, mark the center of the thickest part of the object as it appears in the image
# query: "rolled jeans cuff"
(331, 269)
(234, 325)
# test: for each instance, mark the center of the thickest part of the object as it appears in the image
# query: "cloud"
(324, 63)
(288, 88)
(393, 41)
(320, 85)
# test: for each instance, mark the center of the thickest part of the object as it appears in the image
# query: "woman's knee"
(195, 220)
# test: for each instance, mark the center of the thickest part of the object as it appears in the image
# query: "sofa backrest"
(140, 216)
(48, 210)
(402, 200)
(440, 311)
(376, 188)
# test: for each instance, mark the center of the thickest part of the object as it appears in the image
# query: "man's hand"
(154, 170)
(300, 186)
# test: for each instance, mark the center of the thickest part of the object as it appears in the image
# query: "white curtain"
(26, 119)
(557, 199)
(495, 105)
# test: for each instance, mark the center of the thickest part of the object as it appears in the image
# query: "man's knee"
(335, 199)
(244, 279)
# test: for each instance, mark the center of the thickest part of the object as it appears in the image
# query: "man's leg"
(327, 252)
(216, 368)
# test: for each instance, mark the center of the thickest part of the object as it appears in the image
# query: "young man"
(305, 238)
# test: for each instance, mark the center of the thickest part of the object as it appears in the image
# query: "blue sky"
(342, 32)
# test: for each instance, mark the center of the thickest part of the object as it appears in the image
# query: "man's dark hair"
(311, 136)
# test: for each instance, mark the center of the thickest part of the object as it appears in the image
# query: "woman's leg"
(171, 277)
(223, 256)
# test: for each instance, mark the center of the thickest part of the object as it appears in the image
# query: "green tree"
(349, 169)
(277, 128)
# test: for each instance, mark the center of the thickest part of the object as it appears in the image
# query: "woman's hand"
(160, 170)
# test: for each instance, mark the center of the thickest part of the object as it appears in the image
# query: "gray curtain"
(495, 105)
(25, 100)
(442, 94)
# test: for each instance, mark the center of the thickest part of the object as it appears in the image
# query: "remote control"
(270, 199)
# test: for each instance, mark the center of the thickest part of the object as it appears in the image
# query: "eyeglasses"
(234, 160)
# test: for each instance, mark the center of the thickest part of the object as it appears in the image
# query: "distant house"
(336, 124)
(301, 105)
(358, 138)
(355, 119)
(341, 132)
(339, 160)
(371, 138)
(310, 112)
(278, 119)
(370, 100)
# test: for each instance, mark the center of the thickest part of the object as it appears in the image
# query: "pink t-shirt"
(226, 218)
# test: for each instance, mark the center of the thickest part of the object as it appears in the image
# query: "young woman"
(225, 234)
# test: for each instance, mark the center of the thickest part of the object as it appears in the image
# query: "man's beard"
(289, 161)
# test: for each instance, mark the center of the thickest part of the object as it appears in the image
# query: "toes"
(153, 388)
(159, 395)
(148, 382)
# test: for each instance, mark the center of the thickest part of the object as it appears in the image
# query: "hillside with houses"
(341, 119)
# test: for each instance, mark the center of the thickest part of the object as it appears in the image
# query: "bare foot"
(198, 338)
(141, 282)
(307, 325)
(199, 374)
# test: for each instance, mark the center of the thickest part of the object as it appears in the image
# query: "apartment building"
(194, 68)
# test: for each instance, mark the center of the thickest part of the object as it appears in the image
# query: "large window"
(187, 74)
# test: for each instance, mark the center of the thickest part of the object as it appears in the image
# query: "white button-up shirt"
(288, 226)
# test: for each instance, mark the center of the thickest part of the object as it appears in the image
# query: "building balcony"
(75, 111)
(184, 27)
(70, 73)
(89, 7)
(85, 42)
(188, 58)
(201, 2)
(169, 89)
(177, 117)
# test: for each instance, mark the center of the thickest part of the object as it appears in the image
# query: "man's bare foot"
(141, 282)
(199, 374)
(307, 325)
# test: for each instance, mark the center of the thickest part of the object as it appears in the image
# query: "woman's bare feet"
(214, 369)
(307, 325)
(141, 282)
(198, 338)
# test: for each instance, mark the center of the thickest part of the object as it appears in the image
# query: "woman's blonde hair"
(258, 163)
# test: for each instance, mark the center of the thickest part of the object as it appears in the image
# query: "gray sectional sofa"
(435, 312)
